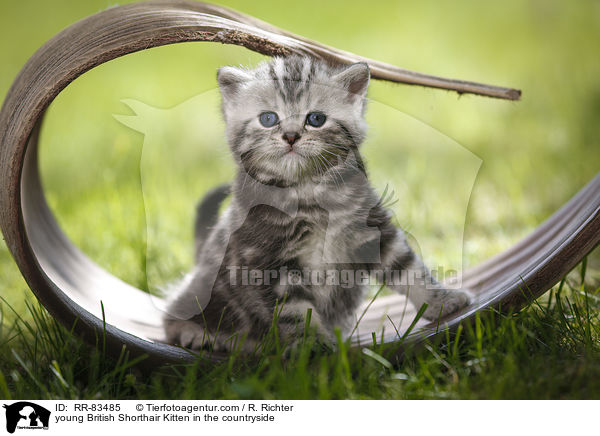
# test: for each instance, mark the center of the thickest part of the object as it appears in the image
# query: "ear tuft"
(355, 79)
(230, 79)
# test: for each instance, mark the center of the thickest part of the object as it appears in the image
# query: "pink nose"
(291, 137)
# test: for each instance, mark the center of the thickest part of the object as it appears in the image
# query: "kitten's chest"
(320, 240)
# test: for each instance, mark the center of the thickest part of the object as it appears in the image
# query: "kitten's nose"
(291, 137)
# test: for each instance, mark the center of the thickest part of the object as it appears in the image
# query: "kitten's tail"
(207, 213)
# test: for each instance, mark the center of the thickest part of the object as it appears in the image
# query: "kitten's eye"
(268, 119)
(316, 119)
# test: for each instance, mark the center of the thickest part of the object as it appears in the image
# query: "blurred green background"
(523, 160)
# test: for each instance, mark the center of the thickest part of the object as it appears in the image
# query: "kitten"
(302, 215)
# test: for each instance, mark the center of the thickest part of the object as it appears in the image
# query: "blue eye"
(316, 119)
(268, 119)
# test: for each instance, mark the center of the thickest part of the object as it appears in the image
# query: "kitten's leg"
(406, 274)
(189, 320)
(292, 322)
(194, 334)
(187, 333)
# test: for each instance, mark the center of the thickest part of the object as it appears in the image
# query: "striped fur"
(307, 206)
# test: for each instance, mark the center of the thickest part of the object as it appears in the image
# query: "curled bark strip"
(76, 290)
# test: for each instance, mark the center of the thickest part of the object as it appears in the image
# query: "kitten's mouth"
(293, 153)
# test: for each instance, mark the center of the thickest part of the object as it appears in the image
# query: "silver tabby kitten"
(301, 202)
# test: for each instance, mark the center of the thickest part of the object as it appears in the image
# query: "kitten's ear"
(230, 79)
(355, 79)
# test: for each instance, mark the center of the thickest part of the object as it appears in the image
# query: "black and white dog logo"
(26, 415)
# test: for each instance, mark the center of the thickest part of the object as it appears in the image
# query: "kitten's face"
(294, 119)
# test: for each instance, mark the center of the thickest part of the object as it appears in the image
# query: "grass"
(470, 177)
(550, 349)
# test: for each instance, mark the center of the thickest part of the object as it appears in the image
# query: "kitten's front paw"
(186, 333)
(447, 302)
